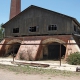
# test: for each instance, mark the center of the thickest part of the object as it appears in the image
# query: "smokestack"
(15, 8)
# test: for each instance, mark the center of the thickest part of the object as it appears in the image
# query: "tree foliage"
(1, 31)
(74, 58)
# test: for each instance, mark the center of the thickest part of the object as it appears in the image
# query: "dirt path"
(8, 75)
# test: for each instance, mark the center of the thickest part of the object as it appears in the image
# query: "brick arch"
(12, 42)
(50, 40)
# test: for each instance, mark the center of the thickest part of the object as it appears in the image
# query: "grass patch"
(30, 70)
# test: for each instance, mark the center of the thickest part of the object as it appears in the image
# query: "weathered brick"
(15, 8)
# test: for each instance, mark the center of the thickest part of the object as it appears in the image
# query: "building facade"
(37, 33)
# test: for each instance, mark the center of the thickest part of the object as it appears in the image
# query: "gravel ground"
(9, 75)
(53, 64)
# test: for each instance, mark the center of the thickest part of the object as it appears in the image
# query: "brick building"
(28, 30)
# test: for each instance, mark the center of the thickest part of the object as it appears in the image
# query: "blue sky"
(67, 7)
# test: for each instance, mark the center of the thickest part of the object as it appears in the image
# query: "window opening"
(34, 29)
(15, 30)
(52, 27)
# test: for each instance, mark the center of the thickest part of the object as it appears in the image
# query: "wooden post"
(60, 54)
(13, 53)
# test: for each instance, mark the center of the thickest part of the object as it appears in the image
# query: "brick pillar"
(15, 8)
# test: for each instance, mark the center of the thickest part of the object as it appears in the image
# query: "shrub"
(74, 58)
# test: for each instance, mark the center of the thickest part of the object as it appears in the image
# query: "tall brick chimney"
(15, 8)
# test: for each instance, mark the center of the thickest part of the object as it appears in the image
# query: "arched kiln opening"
(52, 51)
(12, 49)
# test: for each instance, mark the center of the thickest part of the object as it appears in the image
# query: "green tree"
(1, 31)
